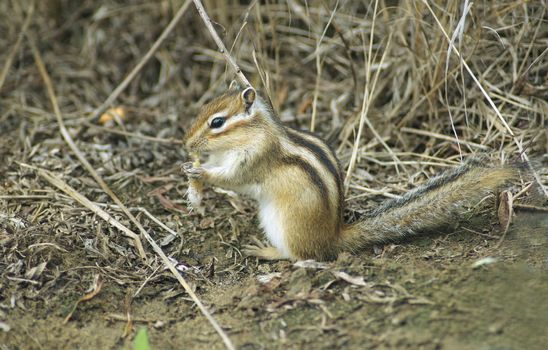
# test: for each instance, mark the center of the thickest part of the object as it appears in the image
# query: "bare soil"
(424, 294)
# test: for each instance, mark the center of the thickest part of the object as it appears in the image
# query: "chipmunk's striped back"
(323, 165)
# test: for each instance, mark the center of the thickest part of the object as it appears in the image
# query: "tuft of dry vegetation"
(401, 90)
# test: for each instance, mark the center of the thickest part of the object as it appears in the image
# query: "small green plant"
(141, 340)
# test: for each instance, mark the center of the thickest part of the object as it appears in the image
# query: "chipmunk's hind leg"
(266, 253)
(262, 251)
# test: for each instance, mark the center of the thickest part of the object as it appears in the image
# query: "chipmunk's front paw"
(191, 171)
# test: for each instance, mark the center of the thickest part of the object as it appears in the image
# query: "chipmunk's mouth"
(196, 146)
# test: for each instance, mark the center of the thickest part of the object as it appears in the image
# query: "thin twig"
(156, 220)
(71, 192)
(443, 137)
(319, 69)
(15, 48)
(222, 49)
(365, 104)
(134, 135)
(369, 101)
(371, 191)
(456, 34)
(316, 91)
(123, 85)
(27, 196)
(146, 281)
(186, 286)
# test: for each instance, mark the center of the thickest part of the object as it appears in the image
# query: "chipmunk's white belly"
(269, 218)
(272, 225)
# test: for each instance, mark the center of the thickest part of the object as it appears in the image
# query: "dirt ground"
(469, 289)
(424, 294)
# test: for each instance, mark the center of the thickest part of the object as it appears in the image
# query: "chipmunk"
(296, 179)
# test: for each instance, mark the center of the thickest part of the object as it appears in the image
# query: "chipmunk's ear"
(248, 97)
(234, 86)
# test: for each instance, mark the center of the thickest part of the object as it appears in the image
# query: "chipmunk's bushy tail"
(439, 203)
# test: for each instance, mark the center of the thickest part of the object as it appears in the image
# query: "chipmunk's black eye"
(217, 122)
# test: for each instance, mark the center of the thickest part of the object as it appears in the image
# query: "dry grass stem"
(222, 49)
(444, 137)
(365, 105)
(123, 85)
(134, 135)
(484, 92)
(72, 193)
(15, 47)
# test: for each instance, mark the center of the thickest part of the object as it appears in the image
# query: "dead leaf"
(235, 229)
(36, 271)
(4, 327)
(505, 209)
(206, 223)
(94, 290)
(170, 205)
(311, 264)
(355, 280)
(488, 260)
(304, 105)
(505, 212)
(160, 190)
(111, 114)
(263, 279)
(270, 282)
(237, 203)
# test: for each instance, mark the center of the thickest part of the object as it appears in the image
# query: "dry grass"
(380, 80)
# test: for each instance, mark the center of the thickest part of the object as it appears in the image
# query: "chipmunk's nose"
(193, 144)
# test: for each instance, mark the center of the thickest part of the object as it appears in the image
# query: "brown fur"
(300, 175)
(309, 221)
(229, 101)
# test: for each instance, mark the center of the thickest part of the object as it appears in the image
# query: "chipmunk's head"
(228, 122)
